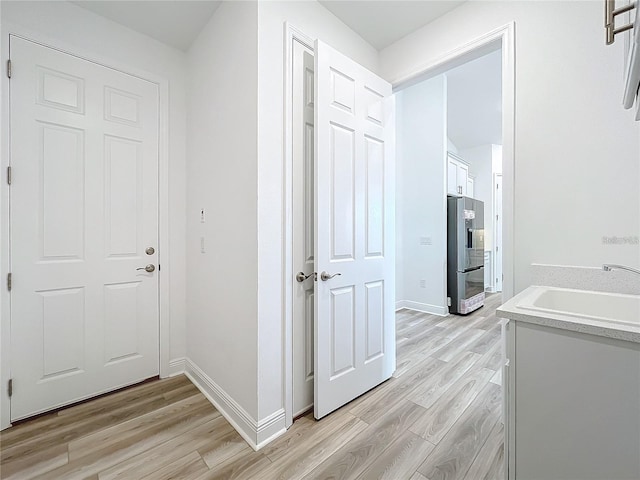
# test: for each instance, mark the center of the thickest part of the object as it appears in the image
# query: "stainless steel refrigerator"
(465, 254)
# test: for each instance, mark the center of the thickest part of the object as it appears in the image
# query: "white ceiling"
(382, 23)
(176, 23)
(474, 102)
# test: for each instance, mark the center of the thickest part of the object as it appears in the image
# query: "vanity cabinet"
(457, 176)
(571, 404)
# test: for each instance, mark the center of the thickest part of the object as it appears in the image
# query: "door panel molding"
(167, 366)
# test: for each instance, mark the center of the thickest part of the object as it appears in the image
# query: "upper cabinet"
(458, 180)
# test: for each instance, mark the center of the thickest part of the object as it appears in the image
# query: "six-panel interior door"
(303, 237)
(354, 230)
(84, 210)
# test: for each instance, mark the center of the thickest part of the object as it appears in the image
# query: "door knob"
(301, 277)
(149, 268)
(327, 276)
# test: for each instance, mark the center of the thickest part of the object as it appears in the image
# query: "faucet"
(607, 267)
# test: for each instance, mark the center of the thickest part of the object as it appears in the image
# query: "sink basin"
(610, 307)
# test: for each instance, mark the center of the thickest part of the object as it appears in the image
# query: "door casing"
(504, 37)
(163, 203)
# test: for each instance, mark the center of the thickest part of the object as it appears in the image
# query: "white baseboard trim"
(256, 433)
(270, 428)
(177, 366)
(422, 307)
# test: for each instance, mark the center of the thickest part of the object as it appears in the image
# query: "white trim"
(270, 428)
(163, 197)
(502, 37)
(5, 326)
(422, 307)
(177, 366)
(291, 34)
(256, 433)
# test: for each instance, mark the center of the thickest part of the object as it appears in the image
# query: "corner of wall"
(256, 433)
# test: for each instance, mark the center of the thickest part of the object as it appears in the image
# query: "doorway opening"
(298, 319)
(449, 158)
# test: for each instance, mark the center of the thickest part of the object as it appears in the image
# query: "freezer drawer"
(468, 293)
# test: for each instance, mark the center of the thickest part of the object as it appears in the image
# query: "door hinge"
(9, 175)
(10, 387)
(497, 248)
(9, 68)
(496, 217)
(9, 281)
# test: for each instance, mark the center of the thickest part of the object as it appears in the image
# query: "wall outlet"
(202, 215)
(423, 283)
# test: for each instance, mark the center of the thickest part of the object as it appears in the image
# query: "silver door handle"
(301, 277)
(324, 276)
(149, 268)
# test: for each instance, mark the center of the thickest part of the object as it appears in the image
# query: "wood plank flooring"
(437, 418)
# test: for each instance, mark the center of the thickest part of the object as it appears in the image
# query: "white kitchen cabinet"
(469, 187)
(572, 404)
(457, 176)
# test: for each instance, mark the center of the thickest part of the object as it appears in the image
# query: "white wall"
(421, 192)
(85, 33)
(316, 22)
(577, 152)
(480, 166)
(451, 147)
(222, 283)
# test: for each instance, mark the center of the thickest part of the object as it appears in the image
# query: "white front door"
(302, 205)
(84, 214)
(354, 230)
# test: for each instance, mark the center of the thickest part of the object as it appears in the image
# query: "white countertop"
(513, 310)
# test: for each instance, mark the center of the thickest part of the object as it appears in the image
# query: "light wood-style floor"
(438, 418)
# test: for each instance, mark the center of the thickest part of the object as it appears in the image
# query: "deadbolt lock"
(150, 251)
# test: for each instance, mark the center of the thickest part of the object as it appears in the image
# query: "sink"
(610, 307)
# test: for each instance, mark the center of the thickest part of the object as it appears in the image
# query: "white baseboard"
(256, 433)
(177, 366)
(422, 307)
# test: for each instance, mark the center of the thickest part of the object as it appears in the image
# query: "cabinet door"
(463, 176)
(452, 177)
(470, 187)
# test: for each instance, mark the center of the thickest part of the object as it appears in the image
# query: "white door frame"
(505, 36)
(163, 203)
(497, 228)
(291, 34)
